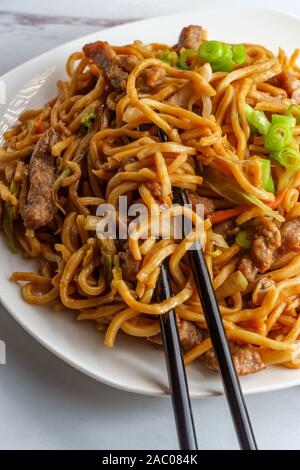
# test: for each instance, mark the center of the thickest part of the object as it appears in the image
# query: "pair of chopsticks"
(176, 371)
(175, 366)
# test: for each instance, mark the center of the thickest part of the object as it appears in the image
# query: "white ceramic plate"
(133, 364)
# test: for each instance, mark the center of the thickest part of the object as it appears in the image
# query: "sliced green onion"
(227, 52)
(185, 54)
(228, 189)
(294, 111)
(223, 65)
(239, 53)
(253, 129)
(266, 177)
(257, 119)
(242, 239)
(288, 157)
(218, 54)
(169, 57)
(211, 51)
(88, 120)
(288, 121)
(277, 137)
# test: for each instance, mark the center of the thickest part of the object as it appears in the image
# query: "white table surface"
(44, 403)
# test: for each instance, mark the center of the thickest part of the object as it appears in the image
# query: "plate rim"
(57, 351)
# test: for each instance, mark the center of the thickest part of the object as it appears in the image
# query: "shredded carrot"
(278, 200)
(40, 127)
(221, 216)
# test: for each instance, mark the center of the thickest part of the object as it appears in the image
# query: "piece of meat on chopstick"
(246, 358)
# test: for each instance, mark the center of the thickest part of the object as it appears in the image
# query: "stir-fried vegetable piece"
(239, 53)
(91, 222)
(266, 178)
(221, 216)
(288, 157)
(40, 127)
(108, 250)
(243, 239)
(8, 221)
(184, 56)
(278, 199)
(277, 137)
(88, 257)
(294, 111)
(211, 51)
(169, 57)
(236, 282)
(221, 56)
(8, 225)
(225, 63)
(61, 175)
(216, 243)
(287, 121)
(88, 120)
(117, 273)
(257, 119)
(217, 239)
(228, 189)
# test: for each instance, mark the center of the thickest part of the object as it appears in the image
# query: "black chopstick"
(219, 341)
(175, 367)
(176, 370)
(216, 330)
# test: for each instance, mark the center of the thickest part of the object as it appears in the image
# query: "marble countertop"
(44, 403)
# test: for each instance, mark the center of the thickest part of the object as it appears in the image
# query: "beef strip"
(289, 83)
(228, 228)
(290, 235)
(39, 207)
(267, 239)
(261, 288)
(190, 37)
(130, 267)
(208, 204)
(117, 67)
(246, 359)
